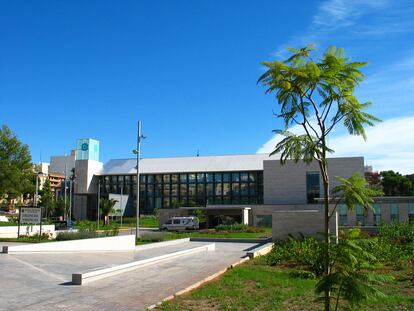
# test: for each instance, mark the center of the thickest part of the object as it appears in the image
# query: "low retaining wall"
(305, 222)
(11, 231)
(83, 278)
(107, 244)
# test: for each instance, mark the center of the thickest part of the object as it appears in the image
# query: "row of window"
(361, 216)
(185, 178)
(187, 189)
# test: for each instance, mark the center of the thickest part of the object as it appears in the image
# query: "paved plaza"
(42, 281)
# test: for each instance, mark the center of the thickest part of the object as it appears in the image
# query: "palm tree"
(107, 207)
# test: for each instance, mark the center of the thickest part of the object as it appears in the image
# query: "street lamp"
(36, 197)
(137, 152)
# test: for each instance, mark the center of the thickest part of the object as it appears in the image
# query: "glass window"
(210, 200)
(158, 179)
(114, 179)
(244, 189)
(142, 189)
(158, 202)
(106, 178)
(158, 190)
(235, 177)
(201, 190)
(217, 177)
(150, 190)
(150, 203)
(166, 178)
(235, 188)
(174, 178)
(209, 177)
(142, 179)
(226, 177)
(166, 202)
(218, 189)
(226, 200)
(192, 189)
(360, 215)
(411, 212)
(121, 179)
(226, 189)
(150, 179)
(263, 221)
(253, 189)
(377, 214)
(174, 189)
(312, 186)
(252, 177)
(394, 211)
(183, 190)
(174, 202)
(191, 177)
(183, 178)
(343, 215)
(167, 189)
(127, 178)
(210, 189)
(200, 178)
(244, 176)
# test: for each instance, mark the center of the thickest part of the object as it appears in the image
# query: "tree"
(47, 198)
(61, 209)
(317, 95)
(107, 207)
(347, 278)
(395, 184)
(15, 167)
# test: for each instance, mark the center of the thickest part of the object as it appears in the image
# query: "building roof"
(226, 163)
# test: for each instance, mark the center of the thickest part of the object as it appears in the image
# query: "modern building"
(247, 188)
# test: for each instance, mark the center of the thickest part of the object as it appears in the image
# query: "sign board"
(121, 203)
(30, 215)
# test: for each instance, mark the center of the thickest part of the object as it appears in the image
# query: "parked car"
(64, 224)
(181, 223)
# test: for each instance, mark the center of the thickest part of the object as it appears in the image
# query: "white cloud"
(390, 145)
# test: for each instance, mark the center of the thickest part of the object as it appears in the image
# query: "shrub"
(237, 227)
(306, 252)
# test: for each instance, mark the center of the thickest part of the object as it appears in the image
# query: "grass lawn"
(257, 286)
(144, 222)
(8, 224)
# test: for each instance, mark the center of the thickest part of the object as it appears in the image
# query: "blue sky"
(188, 70)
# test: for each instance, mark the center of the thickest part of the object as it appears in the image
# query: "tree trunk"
(326, 271)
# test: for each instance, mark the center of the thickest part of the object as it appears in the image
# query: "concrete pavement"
(38, 281)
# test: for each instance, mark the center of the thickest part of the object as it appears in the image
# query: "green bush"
(305, 252)
(238, 228)
(76, 235)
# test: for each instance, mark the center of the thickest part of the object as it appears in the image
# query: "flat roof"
(223, 163)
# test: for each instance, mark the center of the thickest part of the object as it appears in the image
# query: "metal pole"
(138, 156)
(37, 189)
(70, 200)
(99, 200)
(64, 211)
(122, 191)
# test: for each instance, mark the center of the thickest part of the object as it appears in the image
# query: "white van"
(181, 223)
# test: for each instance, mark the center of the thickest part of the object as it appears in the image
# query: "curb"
(232, 240)
(199, 283)
(87, 277)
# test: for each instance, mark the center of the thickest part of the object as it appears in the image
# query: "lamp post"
(137, 152)
(99, 201)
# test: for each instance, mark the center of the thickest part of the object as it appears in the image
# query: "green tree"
(395, 184)
(16, 174)
(47, 198)
(106, 207)
(317, 95)
(61, 209)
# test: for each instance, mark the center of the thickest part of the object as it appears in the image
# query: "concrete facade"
(300, 222)
(286, 184)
